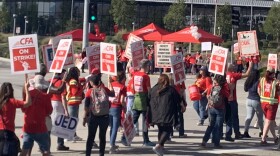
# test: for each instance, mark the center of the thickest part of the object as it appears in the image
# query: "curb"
(4, 59)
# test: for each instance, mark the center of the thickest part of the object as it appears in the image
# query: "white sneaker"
(158, 150)
(113, 149)
(76, 138)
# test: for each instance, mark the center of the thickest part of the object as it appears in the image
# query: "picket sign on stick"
(24, 56)
(272, 61)
(108, 58)
(248, 43)
(60, 57)
(178, 69)
(218, 60)
(131, 39)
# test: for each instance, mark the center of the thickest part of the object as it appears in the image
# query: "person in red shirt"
(239, 63)
(268, 90)
(141, 86)
(117, 103)
(216, 112)
(8, 106)
(202, 83)
(59, 106)
(233, 121)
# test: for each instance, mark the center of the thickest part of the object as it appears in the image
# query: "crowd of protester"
(162, 105)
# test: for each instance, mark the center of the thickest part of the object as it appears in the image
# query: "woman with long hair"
(74, 94)
(268, 89)
(8, 105)
(163, 102)
(253, 104)
(202, 83)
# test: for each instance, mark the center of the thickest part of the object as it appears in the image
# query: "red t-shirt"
(141, 82)
(57, 83)
(129, 88)
(192, 60)
(232, 78)
(180, 86)
(34, 115)
(203, 83)
(122, 57)
(8, 114)
(120, 90)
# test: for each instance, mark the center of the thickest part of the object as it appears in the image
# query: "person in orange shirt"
(268, 90)
(202, 83)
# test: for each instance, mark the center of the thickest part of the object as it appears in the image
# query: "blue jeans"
(74, 112)
(200, 108)
(253, 106)
(130, 102)
(94, 122)
(136, 115)
(216, 119)
(115, 120)
(233, 121)
(42, 140)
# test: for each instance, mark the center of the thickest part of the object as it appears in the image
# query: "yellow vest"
(271, 99)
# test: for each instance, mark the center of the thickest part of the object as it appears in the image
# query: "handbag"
(11, 146)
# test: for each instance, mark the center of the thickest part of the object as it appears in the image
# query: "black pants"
(94, 122)
(8, 143)
(163, 134)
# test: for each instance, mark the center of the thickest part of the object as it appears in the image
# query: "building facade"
(49, 16)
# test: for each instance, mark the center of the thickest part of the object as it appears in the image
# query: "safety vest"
(74, 98)
(271, 99)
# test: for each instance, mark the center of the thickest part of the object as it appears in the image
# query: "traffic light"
(235, 17)
(92, 13)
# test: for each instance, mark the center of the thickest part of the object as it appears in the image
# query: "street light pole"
(25, 24)
(251, 17)
(85, 25)
(133, 26)
(14, 28)
(215, 20)
(72, 6)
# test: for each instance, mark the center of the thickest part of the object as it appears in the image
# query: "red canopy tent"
(78, 36)
(150, 32)
(186, 35)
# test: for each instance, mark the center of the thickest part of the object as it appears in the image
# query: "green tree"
(123, 12)
(272, 22)
(224, 19)
(64, 17)
(204, 23)
(176, 16)
(5, 19)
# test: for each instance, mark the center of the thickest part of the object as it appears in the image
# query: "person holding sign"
(164, 102)
(8, 106)
(202, 83)
(268, 90)
(233, 122)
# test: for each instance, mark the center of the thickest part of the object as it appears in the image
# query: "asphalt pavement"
(177, 146)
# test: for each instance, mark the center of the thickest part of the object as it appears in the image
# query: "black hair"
(221, 80)
(120, 76)
(253, 77)
(43, 70)
(95, 79)
(6, 92)
(73, 74)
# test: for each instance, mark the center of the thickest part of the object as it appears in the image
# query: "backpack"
(216, 99)
(100, 102)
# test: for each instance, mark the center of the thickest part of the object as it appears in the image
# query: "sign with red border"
(272, 61)
(131, 38)
(48, 54)
(218, 60)
(248, 43)
(108, 58)
(137, 51)
(61, 55)
(178, 68)
(24, 54)
(93, 57)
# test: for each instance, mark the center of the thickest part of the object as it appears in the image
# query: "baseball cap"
(204, 68)
(40, 83)
(270, 69)
(95, 71)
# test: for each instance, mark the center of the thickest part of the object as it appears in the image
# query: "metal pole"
(191, 22)
(133, 26)
(25, 24)
(232, 33)
(215, 20)
(72, 6)
(14, 28)
(85, 25)
(251, 18)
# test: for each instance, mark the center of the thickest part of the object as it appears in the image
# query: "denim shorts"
(42, 140)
